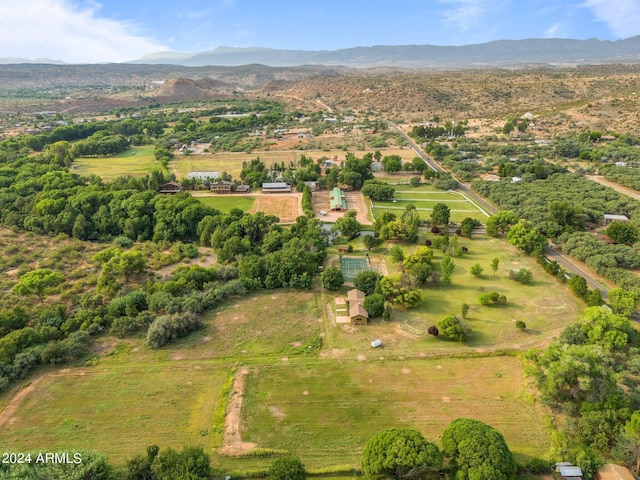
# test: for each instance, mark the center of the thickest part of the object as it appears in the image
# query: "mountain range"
(491, 54)
(500, 53)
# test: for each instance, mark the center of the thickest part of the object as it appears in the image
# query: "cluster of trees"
(101, 143)
(589, 374)
(377, 190)
(474, 449)
(388, 227)
(307, 202)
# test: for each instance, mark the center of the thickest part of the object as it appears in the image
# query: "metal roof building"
(337, 200)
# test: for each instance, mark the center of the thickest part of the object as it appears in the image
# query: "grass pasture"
(545, 306)
(225, 203)
(118, 409)
(424, 198)
(137, 162)
(326, 411)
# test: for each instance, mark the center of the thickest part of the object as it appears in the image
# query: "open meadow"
(136, 161)
(323, 411)
(117, 408)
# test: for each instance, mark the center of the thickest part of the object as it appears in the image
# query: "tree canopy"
(400, 453)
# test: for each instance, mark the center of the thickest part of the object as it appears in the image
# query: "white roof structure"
(620, 218)
(203, 175)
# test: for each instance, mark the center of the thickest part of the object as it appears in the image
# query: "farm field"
(137, 162)
(327, 410)
(424, 198)
(117, 409)
(225, 203)
(231, 162)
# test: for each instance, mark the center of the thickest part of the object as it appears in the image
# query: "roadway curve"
(567, 262)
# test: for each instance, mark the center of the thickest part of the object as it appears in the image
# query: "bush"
(332, 278)
(476, 270)
(167, 328)
(366, 281)
(520, 325)
(287, 468)
(523, 276)
(492, 298)
(452, 328)
(374, 304)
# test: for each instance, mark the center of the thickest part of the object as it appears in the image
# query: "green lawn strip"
(225, 203)
(119, 411)
(137, 162)
(426, 214)
(325, 411)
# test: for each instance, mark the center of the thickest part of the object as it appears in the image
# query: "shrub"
(167, 328)
(452, 328)
(287, 468)
(332, 278)
(476, 270)
(492, 298)
(520, 325)
(523, 276)
(374, 304)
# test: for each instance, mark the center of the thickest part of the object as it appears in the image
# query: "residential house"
(357, 313)
(221, 186)
(243, 189)
(170, 188)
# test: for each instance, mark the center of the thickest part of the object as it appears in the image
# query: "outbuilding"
(276, 187)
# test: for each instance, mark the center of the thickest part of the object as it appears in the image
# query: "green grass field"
(137, 162)
(327, 410)
(118, 409)
(225, 203)
(424, 198)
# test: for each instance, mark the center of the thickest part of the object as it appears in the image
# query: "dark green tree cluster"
(405, 228)
(377, 190)
(581, 373)
(452, 328)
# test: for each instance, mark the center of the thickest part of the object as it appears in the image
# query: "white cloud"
(621, 16)
(465, 14)
(63, 30)
(553, 31)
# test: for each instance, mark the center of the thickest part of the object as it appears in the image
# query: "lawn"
(225, 203)
(325, 412)
(137, 162)
(118, 409)
(424, 198)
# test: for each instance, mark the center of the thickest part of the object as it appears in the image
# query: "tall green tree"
(400, 454)
(447, 266)
(38, 282)
(478, 451)
(440, 214)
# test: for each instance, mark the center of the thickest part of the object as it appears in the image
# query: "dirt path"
(10, 410)
(232, 443)
(616, 186)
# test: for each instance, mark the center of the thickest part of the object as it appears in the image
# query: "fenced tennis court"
(352, 266)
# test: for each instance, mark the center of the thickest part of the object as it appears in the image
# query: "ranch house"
(221, 186)
(170, 188)
(357, 313)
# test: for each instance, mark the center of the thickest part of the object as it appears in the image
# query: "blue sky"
(86, 31)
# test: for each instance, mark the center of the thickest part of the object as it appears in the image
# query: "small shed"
(358, 314)
(343, 249)
(608, 218)
(570, 472)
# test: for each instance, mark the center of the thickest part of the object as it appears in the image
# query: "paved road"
(567, 262)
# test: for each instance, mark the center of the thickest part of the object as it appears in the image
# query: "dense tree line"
(582, 374)
(629, 177)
